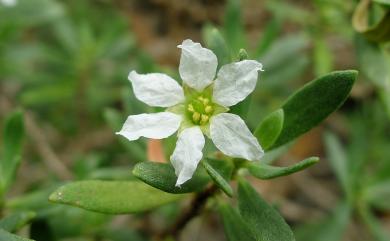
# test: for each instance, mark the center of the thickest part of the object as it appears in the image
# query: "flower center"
(200, 110)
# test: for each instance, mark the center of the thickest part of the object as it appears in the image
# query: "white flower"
(198, 108)
(8, 3)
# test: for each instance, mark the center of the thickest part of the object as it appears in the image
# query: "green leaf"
(5, 236)
(235, 227)
(217, 177)
(112, 197)
(16, 221)
(264, 221)
(233, 27)
(378, 195)
(270, 33)
(385, 2)
(264, 171)
(162, 176)
(338, 160)
(330, 228)
(310, 105)
(269, 129)
(215, 41)
(323, 58)
(12, 138)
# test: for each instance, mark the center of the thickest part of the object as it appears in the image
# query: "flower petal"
(157, 125)
(235, 82)
(187, 154)
(156, 89)
(232, 137)
(197, 65)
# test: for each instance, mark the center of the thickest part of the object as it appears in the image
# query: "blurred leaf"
(374, 225)
(234, 226)
(112, 197)
(323, 58)
(233, 27)
(218, 178)
(386, 2)
(12, 146)
(215, 41)
(378, 194)
(16, 221)
(268, 130)
(338, 160)
(330, 228)
(378, 31)
(264, 171)
(162, 176)
(5, 236)
(304, 109)
(268, 36)
(264, 221)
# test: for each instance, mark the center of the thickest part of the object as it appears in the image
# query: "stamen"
(208, 109)
(204, 119)
(196, 116)
(206, 101)
(190, 108)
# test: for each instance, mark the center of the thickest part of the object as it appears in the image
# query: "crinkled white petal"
(235, 82)
(232, 137)
(156, 89)
(156, 125)
(187, 154)
(197, 65)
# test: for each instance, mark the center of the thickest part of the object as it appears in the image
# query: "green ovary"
(199, 110)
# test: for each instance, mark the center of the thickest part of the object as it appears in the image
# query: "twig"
(49, 157)
(194, 209)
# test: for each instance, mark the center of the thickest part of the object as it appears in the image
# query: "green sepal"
(264, 171)
(163, 177)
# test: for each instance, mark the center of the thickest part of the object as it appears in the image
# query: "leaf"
(112, 197)
(233, 27)
(264, 221)
(385, 2)
(270, 33)
(330, 228)
(235, 227)
(378, 31)
(5, 236)
(264, 171)
(323, 58)
(269, 129)
(162, 176)
(311, 104)
(218, 178)
(378, 194)
(16, 221)
(215, 41)
(12, 138)
(338, 161)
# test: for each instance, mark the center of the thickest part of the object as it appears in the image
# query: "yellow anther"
(206, 101)
(190, 108)
(200, 98)
(196, 116)
(204, 119)
(208, 109)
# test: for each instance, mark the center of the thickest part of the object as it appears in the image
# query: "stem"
(193, 210)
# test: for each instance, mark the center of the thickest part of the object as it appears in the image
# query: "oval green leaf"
(310, 105)
(265, 222)
(269, 129)
(162, 176)
(16, 221)
(264, 171)
(5, 236)
(217, 177)
(112, 197)
(234, 226)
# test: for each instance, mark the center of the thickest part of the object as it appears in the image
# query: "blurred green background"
(65, 65)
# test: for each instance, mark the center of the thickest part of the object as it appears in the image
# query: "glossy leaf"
(264, 221)
(218, 178)
(269, 129)
(16, 221)
(264, 171)
(234, 226)
(6, 236)
(12, 138)
(162, 176)
(112, 197)
(310, 105)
